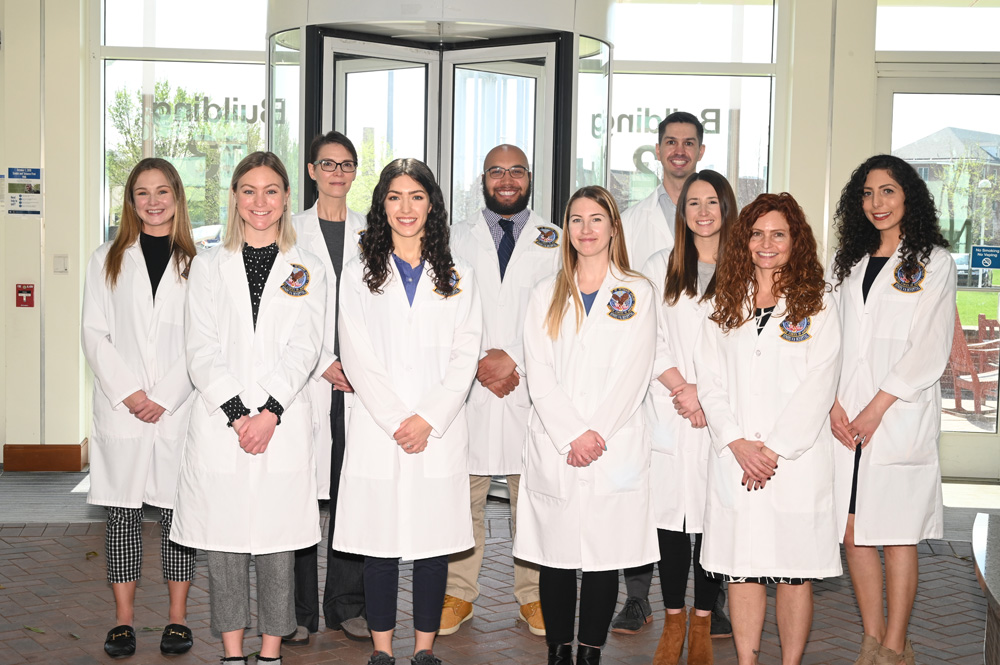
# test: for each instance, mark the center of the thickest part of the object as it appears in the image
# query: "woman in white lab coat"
(133, 338)
(247, 485)
(584, 502)
(676, 422)
(331, 231)
(896, 283)
(768, 362)
(410, 329)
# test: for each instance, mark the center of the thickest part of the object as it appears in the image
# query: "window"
(937, 25)
(200, 115)
(657, 47)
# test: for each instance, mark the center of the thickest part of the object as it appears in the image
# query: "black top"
(761, 315)
(258, 262)
(333, 233)
(875, 264)
(156, 251)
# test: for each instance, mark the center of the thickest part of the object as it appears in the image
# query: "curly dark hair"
(800, 281)
(377, 244)
(858, 236)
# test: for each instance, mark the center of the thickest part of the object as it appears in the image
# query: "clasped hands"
(498, 373)
(143, 408)
(759, 463)
(255, 432)
(585, 449)
(687, 405)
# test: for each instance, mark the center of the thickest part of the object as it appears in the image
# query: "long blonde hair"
(235, 237)
(181, 240)
(565, 288)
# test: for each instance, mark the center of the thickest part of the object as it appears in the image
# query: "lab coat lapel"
(142, 286)
(489, 278)
(591, 321)
(280, 271)
(524, 241)
(234, 274)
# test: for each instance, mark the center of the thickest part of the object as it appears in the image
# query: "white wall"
(48, 134)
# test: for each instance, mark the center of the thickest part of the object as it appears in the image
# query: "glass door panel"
(950, 132)
(499, 95)
(379, 95)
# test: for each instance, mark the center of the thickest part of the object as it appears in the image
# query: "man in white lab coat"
(649, 224)
(510, 249)
(649, 227)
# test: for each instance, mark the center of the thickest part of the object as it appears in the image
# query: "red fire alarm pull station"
(25, 295)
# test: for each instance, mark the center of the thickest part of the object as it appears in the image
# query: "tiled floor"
(55, 608)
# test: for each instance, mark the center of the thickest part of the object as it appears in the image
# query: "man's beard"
(512, 208)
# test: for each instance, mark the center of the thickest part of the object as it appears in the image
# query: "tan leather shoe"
(668, 649)
(699, 640)
(531, 614)
(869, 648)
(454, 612)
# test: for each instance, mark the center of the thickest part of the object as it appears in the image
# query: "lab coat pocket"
(448, 456)
(290, 449)
(625, 464)
(211, 446)
(907, 435)
(661, 420)
(544, 467)
(369, 453)
(896, 315)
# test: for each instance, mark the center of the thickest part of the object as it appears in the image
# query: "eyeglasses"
(330, 166)
(516, 172)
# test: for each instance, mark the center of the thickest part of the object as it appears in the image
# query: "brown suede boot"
(668, 650)
(699, 639)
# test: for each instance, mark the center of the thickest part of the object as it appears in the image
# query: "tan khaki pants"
(463, 567)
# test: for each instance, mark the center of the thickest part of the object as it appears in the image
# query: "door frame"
(498, 59)
(971, 455)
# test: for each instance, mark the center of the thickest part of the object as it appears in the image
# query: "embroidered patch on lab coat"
(297, 282)
(547, 237)
(622, 304)
(795, 332)
(908, 284)
(453, 282)
(361, 234)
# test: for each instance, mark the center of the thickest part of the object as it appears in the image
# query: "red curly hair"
(800, 281)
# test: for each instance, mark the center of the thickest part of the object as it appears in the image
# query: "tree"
(190, 131)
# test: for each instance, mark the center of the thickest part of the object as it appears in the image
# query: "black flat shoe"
(176, 639)
(120, 642)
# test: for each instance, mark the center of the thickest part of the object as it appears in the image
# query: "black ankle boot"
(588, 655)
(560, 654)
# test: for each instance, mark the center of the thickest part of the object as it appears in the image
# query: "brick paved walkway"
(55, 608)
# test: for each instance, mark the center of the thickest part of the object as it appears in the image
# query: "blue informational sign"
(985, 256)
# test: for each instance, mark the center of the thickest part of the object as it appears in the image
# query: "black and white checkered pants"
(123, 546)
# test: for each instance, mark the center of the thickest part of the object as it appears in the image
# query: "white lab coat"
(497, 426)
(227, 499)
(310, 237)
(679, 466)
(134, 342)
(405, 360)
(598, 517)
(898, 342)
(646, 230)
(780, 392)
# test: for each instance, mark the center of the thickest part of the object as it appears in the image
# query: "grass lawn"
(972, 303)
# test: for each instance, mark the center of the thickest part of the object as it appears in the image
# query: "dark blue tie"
(506, 248)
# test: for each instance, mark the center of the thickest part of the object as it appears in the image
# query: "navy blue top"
(409, 275)
(588, 300)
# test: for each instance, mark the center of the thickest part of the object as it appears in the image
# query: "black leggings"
(598, 595)
(675, 562)
(430, 576)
